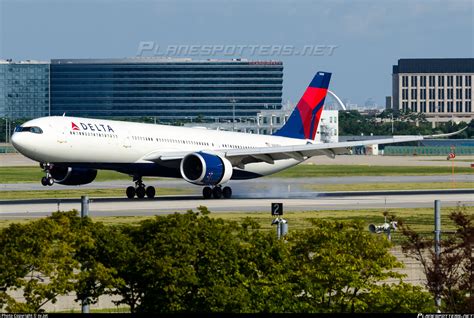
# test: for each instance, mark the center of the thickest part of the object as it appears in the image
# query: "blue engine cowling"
(205, 169)
(72, 176)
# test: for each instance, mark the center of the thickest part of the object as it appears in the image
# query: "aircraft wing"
(241, 157)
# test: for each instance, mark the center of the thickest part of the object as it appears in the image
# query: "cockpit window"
(33, 129)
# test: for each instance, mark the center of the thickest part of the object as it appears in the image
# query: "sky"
(358, 41)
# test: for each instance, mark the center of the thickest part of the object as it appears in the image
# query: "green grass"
(92, 193)
(420, 219)
(309, 170)
(34, 174)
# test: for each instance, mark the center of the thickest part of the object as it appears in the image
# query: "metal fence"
(7, 149)
(425, 151)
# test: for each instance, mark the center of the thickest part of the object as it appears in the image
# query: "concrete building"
(165, 88)
(269, 121)
(24, 89)
(388, 102)
(439, 88)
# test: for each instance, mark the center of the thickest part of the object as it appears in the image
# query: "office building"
(24, 89)
(167, 89)
(269, 121)
(441, 89)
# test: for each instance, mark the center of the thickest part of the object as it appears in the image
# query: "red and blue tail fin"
(303, 122)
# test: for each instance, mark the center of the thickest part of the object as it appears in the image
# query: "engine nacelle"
(72, 176)
(205, 169)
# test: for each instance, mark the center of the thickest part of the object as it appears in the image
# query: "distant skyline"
(367, 37)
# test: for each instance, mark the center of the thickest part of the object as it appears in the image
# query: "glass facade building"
(24, 89)
(168, 89)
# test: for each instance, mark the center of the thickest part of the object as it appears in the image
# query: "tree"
(95, 277)
(50, 257)
(11, 124)
(193, 262)
(450, 275)
(340, 266)
(196, 263)
(188, 263)
(38, 257)
(397, 298)
(352, 123)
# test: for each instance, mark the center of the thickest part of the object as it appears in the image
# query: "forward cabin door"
(62, 133)
(126, 140)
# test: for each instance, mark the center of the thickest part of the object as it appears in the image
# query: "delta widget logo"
(92, 127)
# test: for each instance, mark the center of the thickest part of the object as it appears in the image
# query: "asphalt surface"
(249, 195)
(307, 201)
(248, 186)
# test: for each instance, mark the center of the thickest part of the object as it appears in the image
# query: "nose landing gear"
(140, 190)
(48, 179)
(217, 192)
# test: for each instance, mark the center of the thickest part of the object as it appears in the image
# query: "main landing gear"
(140, 190)
(47, 180)
(217, 192)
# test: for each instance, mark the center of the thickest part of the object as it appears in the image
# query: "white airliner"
(72, 149)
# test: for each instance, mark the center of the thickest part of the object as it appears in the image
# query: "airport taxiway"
(307, 201)
(250, 195)
(274, 185)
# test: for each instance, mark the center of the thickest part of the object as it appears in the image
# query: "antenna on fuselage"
(64, 114)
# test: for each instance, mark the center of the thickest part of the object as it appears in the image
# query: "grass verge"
(92, 193)
(34, 174)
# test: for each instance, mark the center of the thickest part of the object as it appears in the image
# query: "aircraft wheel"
(207, 193)
(50, 181)
(44, 181)
(140, 192)
(130, 192)
(217, 193)
(227, 192)
(150, 192)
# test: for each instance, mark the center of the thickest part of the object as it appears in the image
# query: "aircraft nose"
(18, 141)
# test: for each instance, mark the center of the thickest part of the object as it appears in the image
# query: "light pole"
(392, 122)
(6, 130)
(437, 248)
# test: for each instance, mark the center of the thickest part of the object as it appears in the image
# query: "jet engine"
(72, 176)
(205, 169)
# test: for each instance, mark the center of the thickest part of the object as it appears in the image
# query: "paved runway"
(308, 201)
(248, 186)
